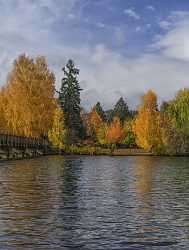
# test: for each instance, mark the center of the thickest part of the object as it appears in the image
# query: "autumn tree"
(115, 134)
(29, 97)
(3, 110)
(147, 125)
(57, 135)
(69, 98)
(175, 115)
(95, 122)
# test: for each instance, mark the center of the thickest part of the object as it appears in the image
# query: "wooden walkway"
(20, 147)
(21, 142)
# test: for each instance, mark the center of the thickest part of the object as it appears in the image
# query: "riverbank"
(88, 150)
(16, 154)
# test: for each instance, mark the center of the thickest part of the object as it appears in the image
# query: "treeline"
(30, 106)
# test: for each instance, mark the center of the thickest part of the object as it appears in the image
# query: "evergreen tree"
(164, 108)
(100, 111)
(121, 110)
(69, 98)
(109, 115)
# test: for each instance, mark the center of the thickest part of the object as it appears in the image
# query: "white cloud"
(71, 16)
(100, 25)
(150, 7)
(131, 13)
(138, 28)
(175, 43)
(113, 75)
(26, 27)
(165, 24)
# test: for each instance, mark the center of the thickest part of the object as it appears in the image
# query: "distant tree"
(109, 115)
(164, 107)
(132, 114)
(147, 125)
(69, 98)
(100, 111)
(121, 110)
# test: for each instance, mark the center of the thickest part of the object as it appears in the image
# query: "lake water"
(95, 203)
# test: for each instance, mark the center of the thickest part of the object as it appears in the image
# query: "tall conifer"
(69, 98)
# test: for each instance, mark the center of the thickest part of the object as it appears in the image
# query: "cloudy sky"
(122, 47)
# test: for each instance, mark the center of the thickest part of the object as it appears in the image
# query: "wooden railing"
(22, 142)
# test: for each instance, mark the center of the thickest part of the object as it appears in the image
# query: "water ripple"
(94, 203)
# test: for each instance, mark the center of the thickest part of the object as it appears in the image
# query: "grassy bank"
(90, 150)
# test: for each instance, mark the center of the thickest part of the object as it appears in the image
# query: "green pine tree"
(121, 110)
(100, 111)
(69, 98)
(109, 115)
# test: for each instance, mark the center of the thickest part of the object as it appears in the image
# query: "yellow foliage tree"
(29, 97)
(3, 104)
(102, 134)
(95, 123)
(147, 125)
(57, 135)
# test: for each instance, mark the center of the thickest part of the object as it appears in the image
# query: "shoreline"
(86, 151)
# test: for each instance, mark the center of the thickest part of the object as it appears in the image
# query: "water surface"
(95, 203)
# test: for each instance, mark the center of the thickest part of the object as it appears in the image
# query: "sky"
(122, 47)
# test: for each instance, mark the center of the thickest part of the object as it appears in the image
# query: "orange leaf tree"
(115, 134)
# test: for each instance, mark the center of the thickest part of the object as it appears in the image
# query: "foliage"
(121, 110)
(57, 135)
(3, 109)
(147, 125)
(102, 134)
(28, 97)
(28, 107)
(175, 141)
(69, 98)
(178, 110)
(130, 138)
(100, 111)
(109, 115)
(176, 123)
(94, 124)
(115, 133)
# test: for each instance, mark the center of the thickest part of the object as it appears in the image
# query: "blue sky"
(122, 47)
